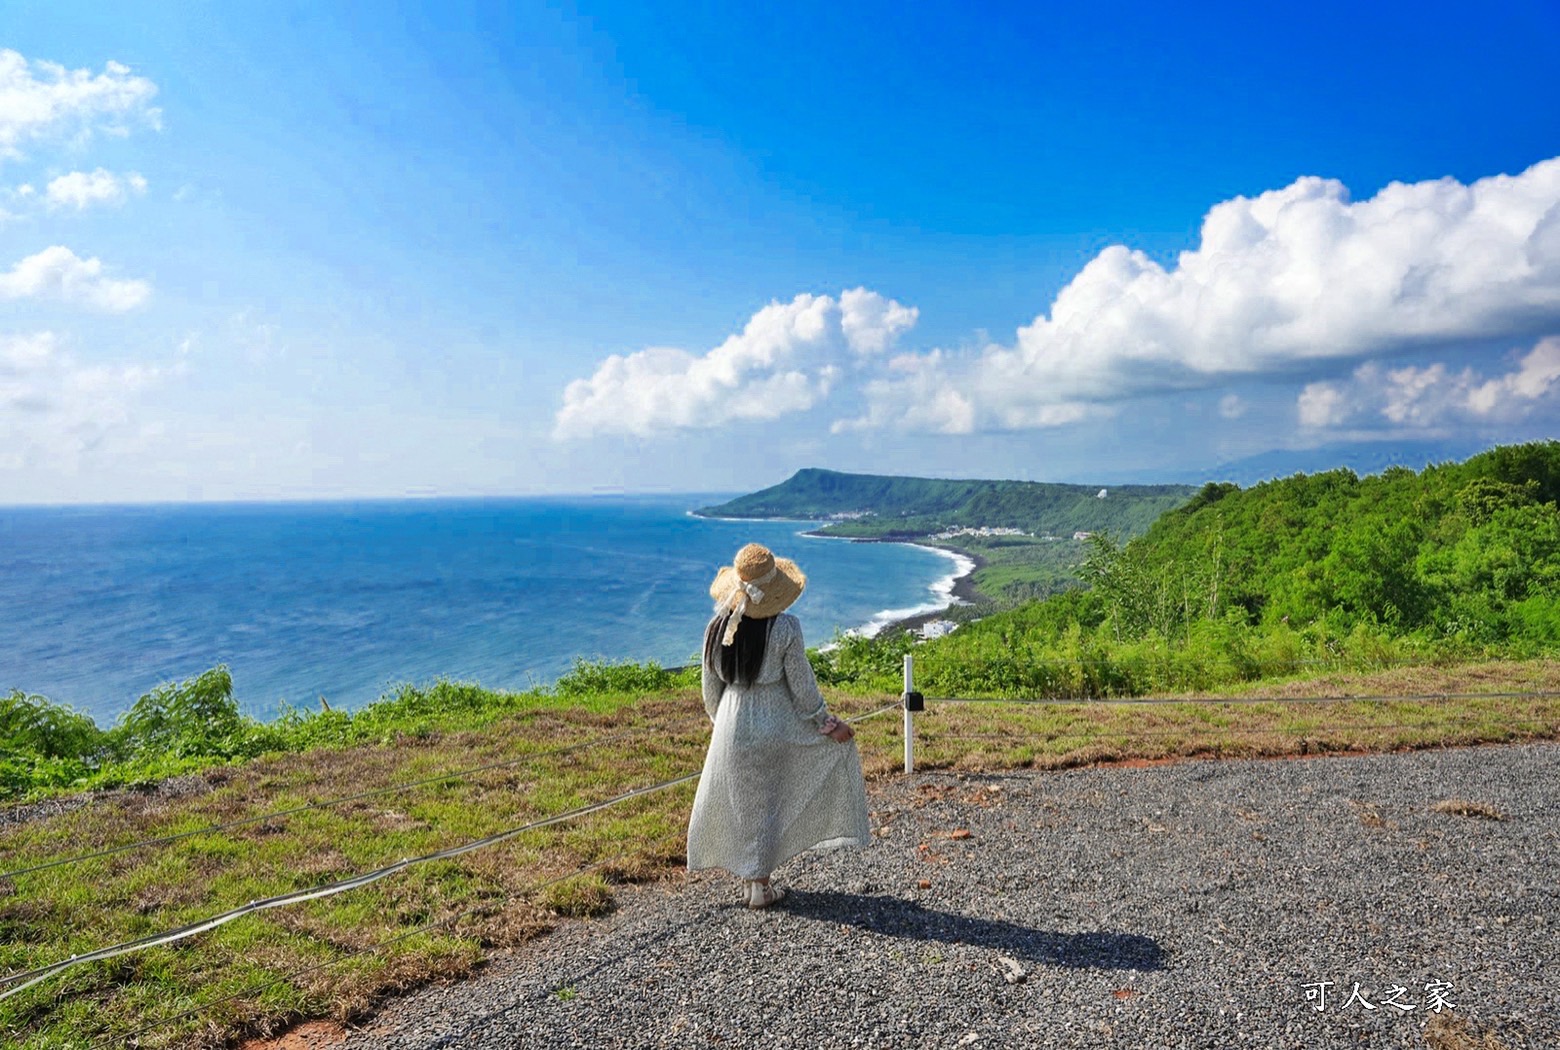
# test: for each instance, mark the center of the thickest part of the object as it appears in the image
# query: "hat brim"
(779, 592)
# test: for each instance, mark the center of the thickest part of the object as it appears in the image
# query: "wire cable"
(1137, 734)
(1156, 701)
(885, 709)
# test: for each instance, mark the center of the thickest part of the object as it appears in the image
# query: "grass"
(1450, 1032)
(1464, 808)
(336, 957)
(1291, 717)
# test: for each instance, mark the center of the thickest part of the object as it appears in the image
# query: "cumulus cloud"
(1279, 284)
(54, 408)
(872, 323)
(40, 100)
(59, 273)
(82, 190)
(1423, 398)
(786, 359)
(917, 377)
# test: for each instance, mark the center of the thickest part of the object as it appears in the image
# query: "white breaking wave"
(942, 589)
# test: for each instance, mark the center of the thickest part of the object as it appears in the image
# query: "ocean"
(99, 605)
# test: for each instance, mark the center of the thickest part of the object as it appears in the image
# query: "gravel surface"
(1178, 906)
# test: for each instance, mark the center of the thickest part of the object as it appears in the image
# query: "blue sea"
(99, 605)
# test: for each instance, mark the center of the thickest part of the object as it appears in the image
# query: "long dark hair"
(738, 662)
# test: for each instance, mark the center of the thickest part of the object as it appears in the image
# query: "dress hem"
(839, 842)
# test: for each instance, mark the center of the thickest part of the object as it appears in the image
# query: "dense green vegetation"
(1459, 561)
(899, 507)
(196, 724)
(1468, 552)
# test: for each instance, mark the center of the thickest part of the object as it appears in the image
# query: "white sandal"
(762, 894)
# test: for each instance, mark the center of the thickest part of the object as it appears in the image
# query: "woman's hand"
(836, 730)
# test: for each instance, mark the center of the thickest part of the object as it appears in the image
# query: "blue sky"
(256, 251)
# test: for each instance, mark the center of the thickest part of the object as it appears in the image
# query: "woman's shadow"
(892, 917)
(886, 916)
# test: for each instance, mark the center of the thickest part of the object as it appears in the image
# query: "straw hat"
(756, 584)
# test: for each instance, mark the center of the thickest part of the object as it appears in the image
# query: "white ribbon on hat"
(745, 592)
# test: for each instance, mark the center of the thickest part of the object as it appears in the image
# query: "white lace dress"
(773, 786)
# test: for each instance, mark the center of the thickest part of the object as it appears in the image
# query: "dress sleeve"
(799, 679)
(712, 687)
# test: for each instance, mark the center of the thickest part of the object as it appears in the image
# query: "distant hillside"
(1467, 550)
(876, 505)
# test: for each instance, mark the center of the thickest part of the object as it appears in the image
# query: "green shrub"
(183, 719)
(33, 726)
(595, 677)
(1536, 620)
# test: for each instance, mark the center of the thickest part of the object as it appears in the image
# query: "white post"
(909, 715)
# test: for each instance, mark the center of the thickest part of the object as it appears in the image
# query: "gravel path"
(1179, 906)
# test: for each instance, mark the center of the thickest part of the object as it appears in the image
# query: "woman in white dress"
(782, 775)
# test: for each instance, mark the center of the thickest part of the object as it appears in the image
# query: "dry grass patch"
(1525, 676)
(510, 925)
(1261, 720)
(1370, 816)
(1465, 808)
(1450, 1032)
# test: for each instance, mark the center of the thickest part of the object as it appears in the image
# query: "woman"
(782, 775)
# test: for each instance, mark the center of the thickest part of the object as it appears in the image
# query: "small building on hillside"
(937, 628)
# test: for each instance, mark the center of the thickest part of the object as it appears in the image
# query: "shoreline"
(961, 587)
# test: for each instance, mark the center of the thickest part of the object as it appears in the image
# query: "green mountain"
(1468, 550)
(876, 505)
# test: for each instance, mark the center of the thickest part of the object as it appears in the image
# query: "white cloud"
(1414, 398)
(786, 359)
(22, 355)
(22, 196)
(1324, 405)
(1231, 406)
(53, 408)
(1279, 284)
(917, 388)
(81, 190)
(59, 273)
(872, 323)
(40, 100)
